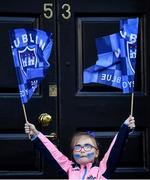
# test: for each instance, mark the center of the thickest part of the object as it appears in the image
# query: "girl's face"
(85, 150)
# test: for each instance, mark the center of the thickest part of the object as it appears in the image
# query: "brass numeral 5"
(48, 11)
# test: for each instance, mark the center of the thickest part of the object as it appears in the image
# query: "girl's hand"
(130, 122)
(30, 129)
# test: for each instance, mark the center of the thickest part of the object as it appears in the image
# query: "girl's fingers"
(131, 118)
(131, 122)
(132, 125)
(27, 128)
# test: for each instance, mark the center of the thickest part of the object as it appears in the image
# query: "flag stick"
(25, 114)
(132, 100)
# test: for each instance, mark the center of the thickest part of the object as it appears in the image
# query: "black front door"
(18, 158)
(97, 107)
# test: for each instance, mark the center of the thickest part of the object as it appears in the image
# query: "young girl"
(85, 152)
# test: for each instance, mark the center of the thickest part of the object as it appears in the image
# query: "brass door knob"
(45, 119)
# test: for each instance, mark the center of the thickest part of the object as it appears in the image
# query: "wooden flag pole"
(25, 114)
(132, 102)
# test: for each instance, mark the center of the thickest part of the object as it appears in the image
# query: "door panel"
(97, 107)
(18, 158)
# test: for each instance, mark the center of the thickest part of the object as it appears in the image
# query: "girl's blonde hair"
(77, 135)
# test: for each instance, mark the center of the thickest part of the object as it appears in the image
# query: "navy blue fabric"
(49, 158)
(116, 150)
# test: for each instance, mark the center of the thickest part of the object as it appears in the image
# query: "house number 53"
(48, 11)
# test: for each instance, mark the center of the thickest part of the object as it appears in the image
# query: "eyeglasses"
(86, 147)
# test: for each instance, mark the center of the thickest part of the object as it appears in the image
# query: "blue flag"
(116, 58)
(31, 49)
